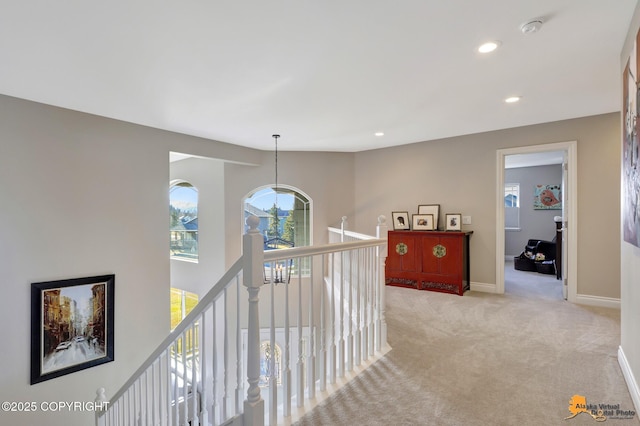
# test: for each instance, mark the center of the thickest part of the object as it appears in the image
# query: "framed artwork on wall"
(423, 222)
(71, 325)
(433, 209)
(400, 221)
(631, 148)
(453, 221)
(547, 197)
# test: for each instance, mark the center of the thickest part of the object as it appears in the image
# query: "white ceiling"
(326, 75)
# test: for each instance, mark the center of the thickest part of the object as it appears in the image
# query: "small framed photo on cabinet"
(423, 222)
(453, 221)
(400, 221)
(433, 209)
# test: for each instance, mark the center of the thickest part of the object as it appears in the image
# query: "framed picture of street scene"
(71, 325)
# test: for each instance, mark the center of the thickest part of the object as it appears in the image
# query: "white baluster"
(102, 405)
(372, 303)
(162, 390)
(286, 376)
(206, 390)
(343, 228)
(358, 317)
(215, 410)
(311, 358)
(350, 314)
(195, 360)
(238, 351)
(185, 381)
(322, 336)
(365, 306)
(383, 252)
(300, 363)
(332, 324)
(341, 300)
(273, 383)
(225, 392)
(253, 271)
(151, 394)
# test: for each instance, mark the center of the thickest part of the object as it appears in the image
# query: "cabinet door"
(403, 256)
(442, 255)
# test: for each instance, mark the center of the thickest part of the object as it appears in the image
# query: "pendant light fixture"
(281, 272)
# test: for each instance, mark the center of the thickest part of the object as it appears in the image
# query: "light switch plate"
(466, 220)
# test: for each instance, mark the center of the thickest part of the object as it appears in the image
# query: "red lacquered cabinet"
(429, 260)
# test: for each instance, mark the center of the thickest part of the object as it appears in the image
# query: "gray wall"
(460, 174)
(537, 224)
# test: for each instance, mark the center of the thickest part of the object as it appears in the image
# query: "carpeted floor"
(485, 359)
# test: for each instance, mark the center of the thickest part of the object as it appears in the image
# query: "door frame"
(570, 213)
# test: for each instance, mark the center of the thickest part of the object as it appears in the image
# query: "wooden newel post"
(253, 271)
(382, 233)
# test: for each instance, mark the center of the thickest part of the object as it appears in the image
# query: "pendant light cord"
(276, 191)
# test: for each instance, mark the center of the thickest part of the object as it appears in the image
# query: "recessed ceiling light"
(379, 133)
(512, 99)
(488, 46)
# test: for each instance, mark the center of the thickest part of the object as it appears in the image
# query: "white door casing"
(570, 191)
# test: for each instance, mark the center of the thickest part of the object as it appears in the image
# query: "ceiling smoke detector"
(531, 26)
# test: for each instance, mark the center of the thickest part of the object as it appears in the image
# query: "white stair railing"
(323, 310)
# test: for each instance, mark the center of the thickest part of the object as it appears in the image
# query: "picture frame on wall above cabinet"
(453, 221)
(400, 221)
(432, 209)
(71, 325)
(423, 222)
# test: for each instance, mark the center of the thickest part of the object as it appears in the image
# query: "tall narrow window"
(512, 206)
(182, 302)
(183, 199)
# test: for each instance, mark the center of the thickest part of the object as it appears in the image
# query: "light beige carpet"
(485, 359)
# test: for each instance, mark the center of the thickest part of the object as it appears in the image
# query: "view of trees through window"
(284, 216)
(183, 200)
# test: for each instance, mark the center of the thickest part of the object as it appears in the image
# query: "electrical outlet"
(466, 220)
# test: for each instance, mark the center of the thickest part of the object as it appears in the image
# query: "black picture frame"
(71, 319)
(401, 221)
(423, 222)
(433, 209)
(453, 221)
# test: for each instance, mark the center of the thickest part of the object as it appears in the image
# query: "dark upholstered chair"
(526, 262)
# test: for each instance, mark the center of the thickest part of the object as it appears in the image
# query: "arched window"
(266, 355)
(183, 200)
(285, 216)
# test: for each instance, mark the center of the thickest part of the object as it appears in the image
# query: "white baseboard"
(483, 287)
(629, 378)
(603, 302)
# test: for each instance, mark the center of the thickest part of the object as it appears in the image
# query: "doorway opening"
(567, 215)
